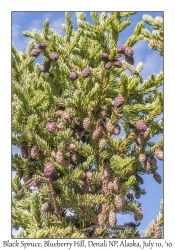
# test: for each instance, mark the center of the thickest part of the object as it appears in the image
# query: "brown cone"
(61, 127)
(147, 132)
(159, 154)
(77, 121)
(157, 231)
(70, 147)
(138, 214)
(59, 157)
(35, 153)
(66, 117)
(112, 219)
(153, 161)
(45, 207)
(107, 170)
(147, 166)
(118, 202)
(102, 144)
(137, 193)
(59, 112)
(117, 185)
(142, 158)
(86, 124)
(110, 186)
(139, 179)
(102, 114)
(96, 134)
(140, 139)
(157, 178)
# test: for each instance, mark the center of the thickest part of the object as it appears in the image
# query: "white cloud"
(57, 25)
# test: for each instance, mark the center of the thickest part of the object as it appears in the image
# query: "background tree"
(75, 173)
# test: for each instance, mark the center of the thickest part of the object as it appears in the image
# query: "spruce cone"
(107, 65)
(54, 56)
(86, 72)
(29, 149)
(66, 117)
(157, 231)
(35, 153)
(109, 127)
(121, 49)
(51, 127)
(96, 134)
(119, 101)
(129, 52)
(24, 150)
(140, 139)
(147, 166)
(46, 66)
(59, 157)
(147, 132)
(59, 112)
(138, 214)
(89, 175)
(159, 154)
(86, 188)
(73, 76)
(105, 187)
(42, 46)
(139, 179)
(34, 53)
(118, 202)
(86, 124)
(70, 147)
(129, 60)
(48, 169)
(102, 114)
(66, 162)
(129, 195)
(45, 207)
(117, 185)
(117, 63)
(104, 57)
(117, 130)
(74, 157)
(101, 219)
(140, 126)
(142, 158)
(102, 144)
(157, 178)
(107, 170)
(77, 121)
(153, 161)
(137, 193)
(61, 127)
(112, 219)
(134, 72)
(19, 173)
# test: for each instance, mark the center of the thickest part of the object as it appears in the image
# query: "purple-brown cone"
(140, 125)
(35, 53)
(117, 63)
(121, 49)
(86, 72)
(42, 46)
(51, 127)
(104, 57)
(129, 52)
(46, 66)
(73, 76)
(48, 168)
(118, 102)
(107, 65)
(54, 56)
(134, 72)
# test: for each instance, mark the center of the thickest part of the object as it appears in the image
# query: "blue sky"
(153, 64)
